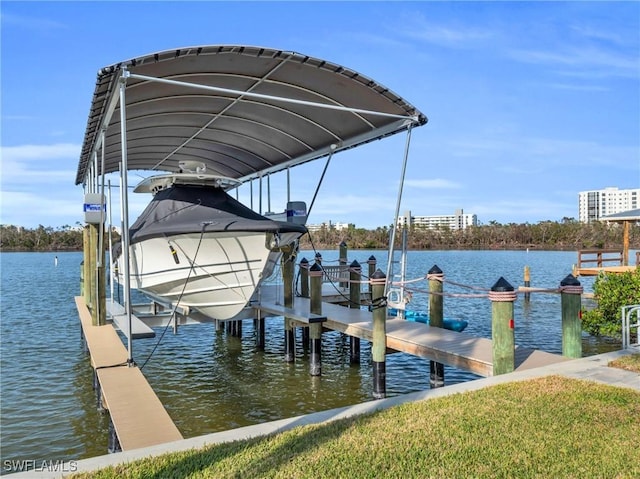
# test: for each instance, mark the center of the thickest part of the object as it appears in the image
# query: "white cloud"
(436, 183)
(40, 152)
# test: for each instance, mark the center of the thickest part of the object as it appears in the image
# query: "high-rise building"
(457, 221)
(593, 205)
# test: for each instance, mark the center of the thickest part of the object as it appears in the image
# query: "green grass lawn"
(551, 427)
(630, 362)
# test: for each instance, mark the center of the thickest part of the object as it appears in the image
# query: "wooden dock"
(138, 416)
(596, 270)
(592, 262)
(460, 350)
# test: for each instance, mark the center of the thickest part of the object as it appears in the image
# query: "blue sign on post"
(94, 208)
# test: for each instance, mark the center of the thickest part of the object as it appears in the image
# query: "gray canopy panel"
(242, 111)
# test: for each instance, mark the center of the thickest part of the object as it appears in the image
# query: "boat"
(239, 114)
(196, 246)
(458, 325)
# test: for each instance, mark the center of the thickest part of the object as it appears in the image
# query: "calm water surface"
(211, 382)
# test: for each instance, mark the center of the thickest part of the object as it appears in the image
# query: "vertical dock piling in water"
(571, 303)
(304, 292)
(355, 273)
(372, 262)
(379, 333)
(315, 329)
(502, 296)
(287, 277)
(527, 282)
(342, 261)
(304, 277)
(436, 320)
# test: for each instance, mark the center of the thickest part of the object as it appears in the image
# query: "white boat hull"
(214, 273)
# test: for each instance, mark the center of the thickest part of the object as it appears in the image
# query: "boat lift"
(246, 112)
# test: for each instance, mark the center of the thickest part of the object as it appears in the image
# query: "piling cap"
(318, 255)
(315, 267)
(570, 280)
(342, 244)
(354, 264)
(378, 275)
(502, 285)
(435, 270)
(372, 258)
(304, 261)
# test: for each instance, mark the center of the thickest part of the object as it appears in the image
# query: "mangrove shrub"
(611, 292)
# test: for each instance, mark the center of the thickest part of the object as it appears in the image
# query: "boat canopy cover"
(242, 111)
(193, 209)
(629, 215)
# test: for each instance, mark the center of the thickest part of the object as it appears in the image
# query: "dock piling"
(342, 261)
(379, 335)
(436, 320)
(355, 272)
(372, 262)
(571, 303)
(527, 282)
(287, 277)
(315, 329)
(304, 277)
(304, 292)
(502, 296)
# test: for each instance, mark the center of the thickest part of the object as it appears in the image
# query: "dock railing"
(599, 258)
(336, 274)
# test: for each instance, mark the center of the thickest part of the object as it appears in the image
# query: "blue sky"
(528, 103)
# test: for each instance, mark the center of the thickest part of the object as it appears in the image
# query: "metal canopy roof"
(242, 111)
(629, 215)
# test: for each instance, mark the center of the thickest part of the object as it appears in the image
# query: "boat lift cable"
(397, 213)
(175, 307)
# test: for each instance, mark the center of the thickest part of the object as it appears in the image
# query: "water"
(211, 382)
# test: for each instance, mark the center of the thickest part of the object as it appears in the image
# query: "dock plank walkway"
(138, 416)
(460, 350)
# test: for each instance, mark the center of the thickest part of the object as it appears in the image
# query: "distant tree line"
(567, 234)
(42, 238)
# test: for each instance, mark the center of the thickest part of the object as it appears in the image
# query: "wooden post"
(287, 278)
(92, 284)
(502, 296)
(318, 259)
(372, 268)
(355, 273)
(527, 283)
(102, 282)
(342, 261)
(86, 251)
(304, 278)
(260, 330)
(315, 329)
(436, 320)
(625, 242)
(304, 292)
(379, 333)
(571, 303)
